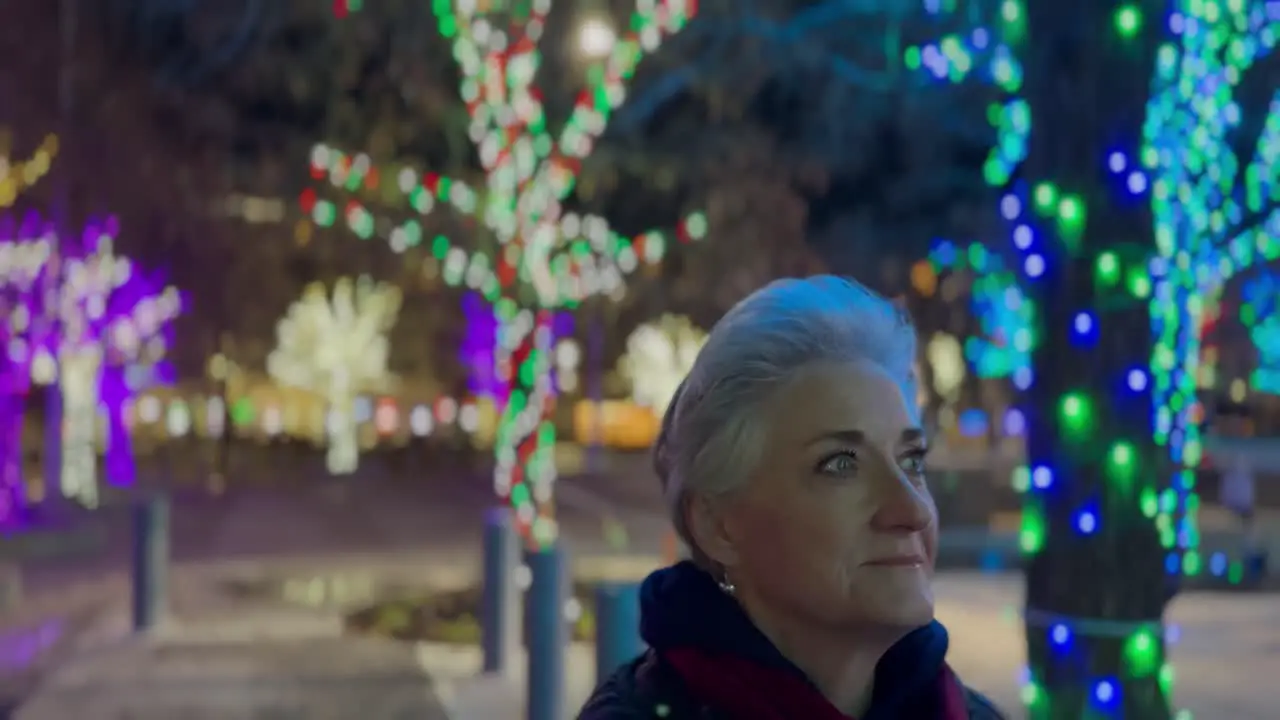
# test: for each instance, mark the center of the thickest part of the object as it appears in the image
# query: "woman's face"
(837, 524)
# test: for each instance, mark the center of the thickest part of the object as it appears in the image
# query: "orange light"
(924, 279)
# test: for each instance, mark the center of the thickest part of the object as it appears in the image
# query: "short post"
(617, 627)
(150, 562)
(500, 595)
(548, 634)
(10, 587)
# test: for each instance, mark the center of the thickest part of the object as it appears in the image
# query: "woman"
(792, 459)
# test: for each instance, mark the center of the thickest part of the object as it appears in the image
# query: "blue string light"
(1213, 215)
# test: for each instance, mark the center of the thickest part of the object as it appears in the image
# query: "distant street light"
(596, 39)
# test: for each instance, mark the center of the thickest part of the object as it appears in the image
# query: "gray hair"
(713, 432)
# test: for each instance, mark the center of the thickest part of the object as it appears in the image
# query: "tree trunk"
(78, 390)
(1096, 579)
(1096, 569)
(343, 455)
(524, 445)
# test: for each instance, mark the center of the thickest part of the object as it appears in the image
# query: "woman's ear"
(708, 524)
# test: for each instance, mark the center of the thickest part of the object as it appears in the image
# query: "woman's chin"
(902, 609)
(913, 614)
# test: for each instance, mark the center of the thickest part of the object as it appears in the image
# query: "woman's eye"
(839, 463)
(914, 463)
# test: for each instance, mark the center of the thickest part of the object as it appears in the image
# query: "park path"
(1225, 651)
(228, 656)
(224, 653)
(70, 571)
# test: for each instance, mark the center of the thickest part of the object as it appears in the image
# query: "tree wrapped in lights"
(25, 250)
(543, 256)
(1106, 528)
(336, 346)
(1260, 313)
(659, 356)
(82, 318)
(108, 333)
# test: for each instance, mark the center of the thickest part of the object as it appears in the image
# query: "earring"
(727, 586)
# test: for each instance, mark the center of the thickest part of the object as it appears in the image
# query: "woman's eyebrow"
(857, 437)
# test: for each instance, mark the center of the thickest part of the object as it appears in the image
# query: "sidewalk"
(231, 659)
(1226, 656)
(222, 655)
(317, 677)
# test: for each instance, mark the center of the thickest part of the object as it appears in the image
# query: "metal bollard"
(500, 599)
(617, 627)
(548, 634)
(150, 563)
(10, 587)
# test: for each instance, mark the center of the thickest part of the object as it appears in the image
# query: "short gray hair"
(713, 431)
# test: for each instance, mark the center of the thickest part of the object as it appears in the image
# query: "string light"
(1209, 351)
(1205, 230)
(337, 347)
(529, 173)
(203, 416)
(110, 339)
(575, 268)
(1260, 314)
(15, 177)
(81, 318)
(25, 250)
(568, 361)
(1006, 317)
(589, 256)
(659, 356)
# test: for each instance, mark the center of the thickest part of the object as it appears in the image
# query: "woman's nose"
(903, 506)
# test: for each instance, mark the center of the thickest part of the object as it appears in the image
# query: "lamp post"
(51, 457)
(596, 39)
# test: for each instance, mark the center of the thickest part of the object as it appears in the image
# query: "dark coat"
(650, 689)
(682, 608)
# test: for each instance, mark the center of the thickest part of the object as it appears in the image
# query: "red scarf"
(743, 690)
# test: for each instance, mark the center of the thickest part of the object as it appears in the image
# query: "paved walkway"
(226, 657)
(1227, 657)
(316, 678)
(225, 653)
(1226, 650)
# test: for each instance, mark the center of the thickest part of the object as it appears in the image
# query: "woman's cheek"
(931, 543)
